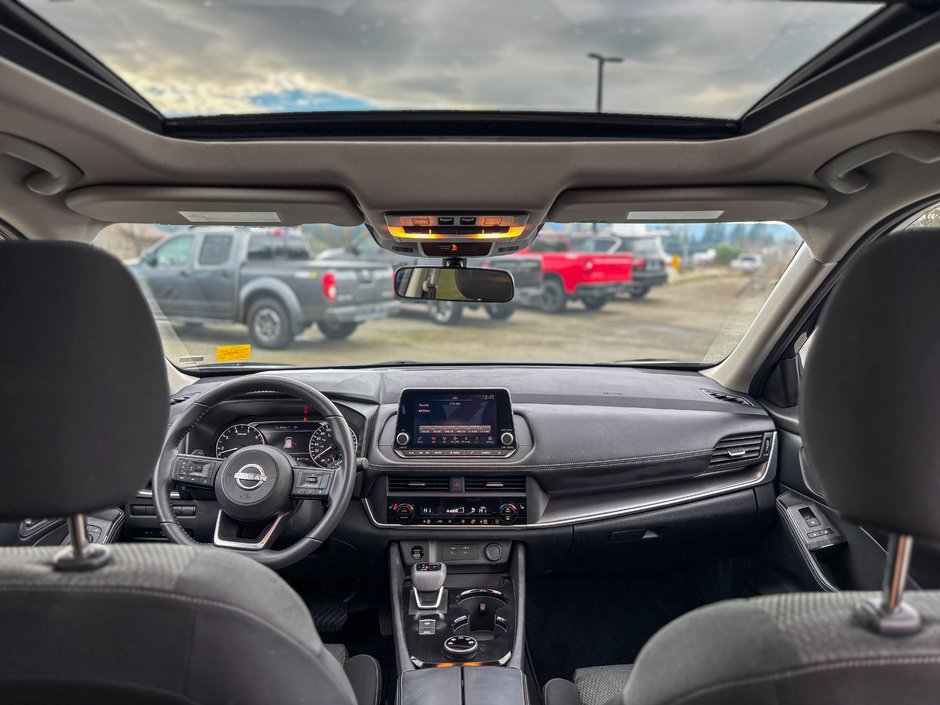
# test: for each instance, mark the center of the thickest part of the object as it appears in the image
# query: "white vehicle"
(748, 262)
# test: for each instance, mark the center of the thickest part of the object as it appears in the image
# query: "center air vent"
(739, 450)
(418, 483)
(494, 484)
(725, 396)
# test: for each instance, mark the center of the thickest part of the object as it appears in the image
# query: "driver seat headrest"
(870, 397)
(83, 383)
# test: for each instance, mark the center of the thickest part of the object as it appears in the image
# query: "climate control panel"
(456, 511)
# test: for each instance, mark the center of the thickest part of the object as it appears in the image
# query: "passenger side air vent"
(725, 396)
(494, 484)
(740, 450)
(418, 483)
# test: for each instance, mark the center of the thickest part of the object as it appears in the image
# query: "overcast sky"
(712, 58)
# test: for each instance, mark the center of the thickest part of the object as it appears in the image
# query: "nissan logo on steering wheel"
(250, 477)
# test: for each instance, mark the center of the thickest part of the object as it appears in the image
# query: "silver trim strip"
(436, 605)
(257, 546)
(149, 493)
(597, 516)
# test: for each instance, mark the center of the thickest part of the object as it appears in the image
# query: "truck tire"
(553, 299)
(638, 292)
(269, 324)
(500, 312)
(445, 313)
(336, 330)
(594, 302)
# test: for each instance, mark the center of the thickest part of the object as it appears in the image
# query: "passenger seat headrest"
(870, 398)
(83, 384)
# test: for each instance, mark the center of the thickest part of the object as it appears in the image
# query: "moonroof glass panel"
(701, 58)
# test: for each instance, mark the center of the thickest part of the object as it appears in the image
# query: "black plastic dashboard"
(590, 444)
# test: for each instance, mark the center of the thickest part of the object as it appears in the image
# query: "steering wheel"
(258, 487)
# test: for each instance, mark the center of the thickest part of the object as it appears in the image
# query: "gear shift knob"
(428, 577)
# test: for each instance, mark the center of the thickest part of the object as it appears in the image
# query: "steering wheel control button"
(460, 647)
(310, 483)
(508, 513)
(195, 471)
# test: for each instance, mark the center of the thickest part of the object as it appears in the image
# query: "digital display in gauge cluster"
(308, 441)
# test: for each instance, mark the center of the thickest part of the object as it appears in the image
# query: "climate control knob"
(405, 513)
(508, 513)
(402, 438)
(507, 439)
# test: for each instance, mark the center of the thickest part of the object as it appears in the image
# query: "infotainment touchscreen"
(454, 420)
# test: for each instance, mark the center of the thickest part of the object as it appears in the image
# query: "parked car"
(748, 262)
(266, 279)
(649, 257)
(526, 272)
(593, 279)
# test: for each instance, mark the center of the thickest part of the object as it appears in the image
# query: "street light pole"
(601, 60)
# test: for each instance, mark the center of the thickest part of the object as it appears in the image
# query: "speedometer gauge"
(238, 436)
(324, 451)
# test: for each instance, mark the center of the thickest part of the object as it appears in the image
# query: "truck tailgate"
(361, 282)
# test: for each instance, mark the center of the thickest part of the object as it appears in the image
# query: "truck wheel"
(500, 312)
(445, 313)
(269, 324)
(553, 299)
(594, 302)
(335, 330)
(638, 292)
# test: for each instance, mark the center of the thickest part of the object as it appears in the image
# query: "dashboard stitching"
(592, 463)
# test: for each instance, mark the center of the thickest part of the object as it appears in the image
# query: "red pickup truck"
(592, 278)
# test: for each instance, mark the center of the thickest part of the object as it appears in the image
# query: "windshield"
(320, 295)
(703, 58)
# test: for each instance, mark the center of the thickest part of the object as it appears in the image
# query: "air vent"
(494, 484)
(737, 450)
(725, 396)
(418, 483)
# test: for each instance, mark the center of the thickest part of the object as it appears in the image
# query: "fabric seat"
(867, 412)
(598, 685)
(141, 623)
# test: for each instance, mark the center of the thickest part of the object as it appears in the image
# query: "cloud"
(694, 57)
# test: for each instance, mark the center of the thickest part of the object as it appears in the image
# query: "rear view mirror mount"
(459, 284)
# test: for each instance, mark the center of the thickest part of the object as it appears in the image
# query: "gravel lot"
(699, 317)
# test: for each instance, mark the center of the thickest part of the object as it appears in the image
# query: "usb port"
(468, 220)
(445, 220)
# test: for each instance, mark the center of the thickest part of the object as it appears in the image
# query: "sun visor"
(727, 204)
(223, 206)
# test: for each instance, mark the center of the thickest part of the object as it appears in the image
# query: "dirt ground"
(696, 318)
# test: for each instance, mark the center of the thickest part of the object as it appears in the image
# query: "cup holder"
(481, 620)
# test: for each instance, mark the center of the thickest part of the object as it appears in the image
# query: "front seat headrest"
(870, 399)
(83, 383)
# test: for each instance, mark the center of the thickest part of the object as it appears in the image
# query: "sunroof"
(696, 58)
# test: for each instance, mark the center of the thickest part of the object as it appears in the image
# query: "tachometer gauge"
(238, 436)
(324, 451)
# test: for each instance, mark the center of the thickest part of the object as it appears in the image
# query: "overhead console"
(455, 234)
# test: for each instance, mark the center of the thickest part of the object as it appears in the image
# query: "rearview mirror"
(491, 286)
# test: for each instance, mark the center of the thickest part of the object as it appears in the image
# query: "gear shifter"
(428, 581)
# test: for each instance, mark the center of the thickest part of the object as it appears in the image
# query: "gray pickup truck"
(264, 278)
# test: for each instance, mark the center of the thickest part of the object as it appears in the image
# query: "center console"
(464, 616)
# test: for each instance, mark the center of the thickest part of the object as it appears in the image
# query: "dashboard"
(548, 453)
